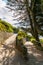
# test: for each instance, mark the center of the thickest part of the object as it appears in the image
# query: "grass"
(5, 26)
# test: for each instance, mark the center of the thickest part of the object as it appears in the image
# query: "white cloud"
(2, 3)
(5, 14)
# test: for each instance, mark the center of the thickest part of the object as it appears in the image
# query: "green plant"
(5, 26)
(21, 35)
(16, 30)
(41, 40)
(28, 37)
(20, 46)
(32, 39)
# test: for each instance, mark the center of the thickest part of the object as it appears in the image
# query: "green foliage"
(2, 27)
(39, 12)
(21, 35)
(19, 38)
(5, 26)
(20, 46)
(41, 40)
(42, 5)
(28, 37)
(32, 39)
(16, 30)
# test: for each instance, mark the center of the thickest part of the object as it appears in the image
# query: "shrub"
(16, 30)
(28, 37)
(19, 43)
(5, 26)
(2, 27)
(20, 46)
(33, 39)
(41, 40)
(22, 33)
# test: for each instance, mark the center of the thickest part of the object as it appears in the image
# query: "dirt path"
(9, 56)
(35, 56)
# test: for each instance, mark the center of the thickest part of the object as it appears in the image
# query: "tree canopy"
(29, 11)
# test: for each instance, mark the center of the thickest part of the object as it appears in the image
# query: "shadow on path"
(9, 56)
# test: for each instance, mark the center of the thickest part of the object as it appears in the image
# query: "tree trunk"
(35, 24)
(32, 18)
(28, 13)
(35, 30)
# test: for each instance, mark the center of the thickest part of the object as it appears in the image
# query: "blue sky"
(5, 14)
(4, 1)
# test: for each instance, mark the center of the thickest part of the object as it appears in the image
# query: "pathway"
(35, 56)
(10, 56)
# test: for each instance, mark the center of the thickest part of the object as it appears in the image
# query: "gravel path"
(11, 56)
(35, 56)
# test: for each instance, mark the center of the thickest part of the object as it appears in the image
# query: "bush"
(19, 43)
(20, 46)
(21, 35)
(5, 26)
(28, 37)
(41, 40)
(16, 30)
(2, 27)
(32, 39)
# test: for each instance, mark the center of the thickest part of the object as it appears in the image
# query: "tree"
(26, 10)
(31, 12)
(39, 16)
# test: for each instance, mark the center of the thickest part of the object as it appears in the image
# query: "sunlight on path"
(11, 56)
(35, 56)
